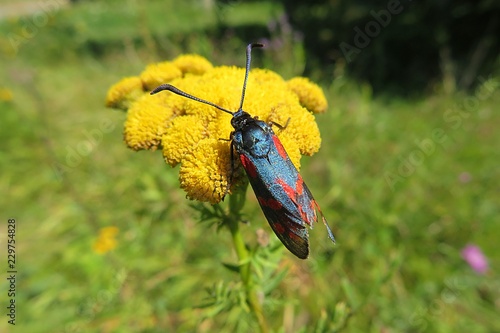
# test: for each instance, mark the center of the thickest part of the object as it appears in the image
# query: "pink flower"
(475, 258)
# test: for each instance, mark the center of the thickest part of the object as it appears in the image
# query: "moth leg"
(281, 127)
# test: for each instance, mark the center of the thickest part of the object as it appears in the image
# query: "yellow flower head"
(6, 95)
(146, 120)
(106, 241)
(205, 172)
(193, 64)
(156, 74)
(128, 90)
(310, 95)
(196, 135)
(122, 94)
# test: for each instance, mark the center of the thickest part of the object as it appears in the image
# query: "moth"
(285, 199)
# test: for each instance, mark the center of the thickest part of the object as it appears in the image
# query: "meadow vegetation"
(107, 241)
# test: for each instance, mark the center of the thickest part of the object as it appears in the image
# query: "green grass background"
(396, 266)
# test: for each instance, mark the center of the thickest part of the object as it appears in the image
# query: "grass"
(396, 266)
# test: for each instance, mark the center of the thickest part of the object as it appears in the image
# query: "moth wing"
(286, 224)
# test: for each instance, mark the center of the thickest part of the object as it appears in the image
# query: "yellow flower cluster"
(196, 135)
(106, 240)
(6, 95)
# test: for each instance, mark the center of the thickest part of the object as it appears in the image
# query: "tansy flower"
(6, 95)
(146, 120)
(193, 64)
(311, 96)
(106, 240)
(156, 74)
(124, 93)
(128, 90)
(197, 136)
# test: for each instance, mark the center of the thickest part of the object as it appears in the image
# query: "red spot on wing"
(248, 165)
(271, 203)
(279, 147)
(305, 202)
(303, 214)
(314, 205)
(299, 186)
(295, 196)
(310, 215)
(274, 204)
(279, 228)
(290, 192)
(294, 236)
(293, 228)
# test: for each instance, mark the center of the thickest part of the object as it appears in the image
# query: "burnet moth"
(283, 196)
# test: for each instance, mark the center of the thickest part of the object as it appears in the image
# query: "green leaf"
(232, 267)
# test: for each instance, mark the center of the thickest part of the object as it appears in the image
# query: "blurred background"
(407, 175)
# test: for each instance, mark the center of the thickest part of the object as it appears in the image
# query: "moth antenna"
(247, 69)
(177, 91)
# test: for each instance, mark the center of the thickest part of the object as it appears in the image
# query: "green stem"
(236, 202)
